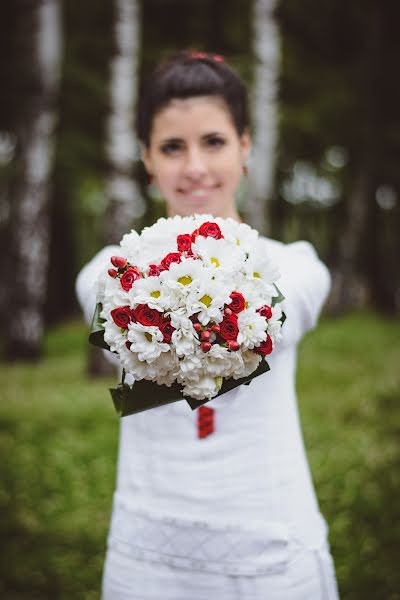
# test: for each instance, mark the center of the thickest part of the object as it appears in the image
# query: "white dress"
(232, 515)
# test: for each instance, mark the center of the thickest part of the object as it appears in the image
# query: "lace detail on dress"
(198, 545)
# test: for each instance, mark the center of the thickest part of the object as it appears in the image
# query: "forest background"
(326, 128)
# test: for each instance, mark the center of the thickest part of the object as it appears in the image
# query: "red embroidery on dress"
(205, 421)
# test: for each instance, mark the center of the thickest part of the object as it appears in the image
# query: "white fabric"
(231, 504)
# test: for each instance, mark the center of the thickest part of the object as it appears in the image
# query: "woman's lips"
(198, 193)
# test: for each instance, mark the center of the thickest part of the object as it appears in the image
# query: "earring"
(245, 170)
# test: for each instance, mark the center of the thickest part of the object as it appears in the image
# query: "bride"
(216, 503)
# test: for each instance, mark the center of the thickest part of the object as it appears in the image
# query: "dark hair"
(189, 74)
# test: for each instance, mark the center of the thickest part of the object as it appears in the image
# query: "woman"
(233, 513)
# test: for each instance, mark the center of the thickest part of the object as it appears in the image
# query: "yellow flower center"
(215, 262)
(155, 294)
(237, 242)
(206, 300)
(148, 335)
(185, 280)
(255, 274)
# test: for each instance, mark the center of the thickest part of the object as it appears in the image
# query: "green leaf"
(279, 298)
(96, 334)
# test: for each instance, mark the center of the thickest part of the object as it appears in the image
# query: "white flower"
(259, 266)
(241, 235)
(252, 328)
(182, 277)
(184, 339)
(221, 362)
(204, 387)
(275, 325)
(250, 360)
(146, 341)
(219, 254)
(150, 291)
(130, 246)
(208, 300)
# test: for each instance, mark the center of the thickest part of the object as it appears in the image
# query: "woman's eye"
(170, 147)
(215, 142)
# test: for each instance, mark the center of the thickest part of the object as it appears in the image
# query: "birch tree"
(29, 228)
(125, 203)
(264, 109)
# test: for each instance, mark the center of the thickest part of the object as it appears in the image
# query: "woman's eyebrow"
(174, 140)
(212, 134)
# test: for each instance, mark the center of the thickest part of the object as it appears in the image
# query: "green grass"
(59, 436)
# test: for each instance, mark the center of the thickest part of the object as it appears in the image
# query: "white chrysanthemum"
(204, 387)
(259, 266)
(191, 366)
(182, 277)
(240, 235)
(130, 246)
(138, 369)
(252, 328)
(250, 362)
(255, 292)
(109, 291)
(150, 291)
(275, 325)
(221, 362)
(146, 341)
(184, 339)
(219, 254)
(207, 301)
(114, 336)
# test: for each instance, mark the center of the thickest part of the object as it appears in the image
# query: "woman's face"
(196, 156)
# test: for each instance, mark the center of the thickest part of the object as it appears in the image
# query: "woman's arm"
(85, 285)
(305, 283)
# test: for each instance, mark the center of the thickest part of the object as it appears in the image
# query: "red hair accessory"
(215, 57)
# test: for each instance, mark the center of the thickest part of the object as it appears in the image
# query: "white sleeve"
(305, 283)
(85, 285)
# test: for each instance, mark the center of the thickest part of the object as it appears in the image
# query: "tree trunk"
(125, 201)
(350, 286)
(29, 229)
(264, 103)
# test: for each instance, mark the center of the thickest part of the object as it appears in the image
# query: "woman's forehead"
(199, 112)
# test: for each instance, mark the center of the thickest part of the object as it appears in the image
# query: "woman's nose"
(195, 165)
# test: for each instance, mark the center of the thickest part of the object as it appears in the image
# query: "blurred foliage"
(60, 440)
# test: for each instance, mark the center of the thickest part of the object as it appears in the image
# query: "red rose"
(130, 275)
(184, 242)
(150, 317)
(194, 234)
(118, 261)
(209, 229)
(122, 316)
(155, 270)
(112, 273)
(238, 302)
(167, 330)
(265, 347)
(172, 257)
(229, 329)
(265, 311)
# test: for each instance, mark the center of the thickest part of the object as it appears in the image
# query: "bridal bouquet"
(191, 304)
